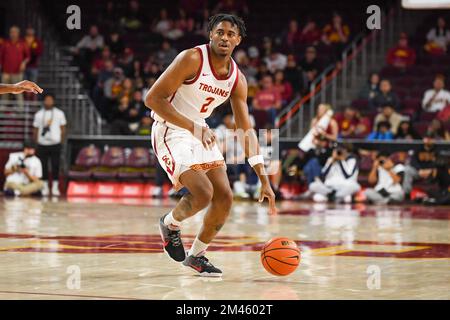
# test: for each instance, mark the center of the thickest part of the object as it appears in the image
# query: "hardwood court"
(115, 246)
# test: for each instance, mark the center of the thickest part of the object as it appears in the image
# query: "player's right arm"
(23, 86)
(184, 67)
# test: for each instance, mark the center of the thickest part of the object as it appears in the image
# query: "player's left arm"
(250, 142)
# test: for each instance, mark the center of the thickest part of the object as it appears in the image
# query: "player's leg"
(213, 221)
(199, 197)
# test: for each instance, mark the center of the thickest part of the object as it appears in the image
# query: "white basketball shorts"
(178, 150)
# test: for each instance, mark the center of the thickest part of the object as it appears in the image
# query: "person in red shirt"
(35, 47)
(293, 34)
(310, 34)
(351, 124)
(401, 56)
(266, 103)
(283, 86)
(14, 56)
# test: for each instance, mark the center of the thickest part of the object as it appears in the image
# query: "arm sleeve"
(63, 119)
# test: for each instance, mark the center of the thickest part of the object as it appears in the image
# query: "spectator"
(145, 126)
(14, 57)
(293, 34)
(113, 86)
(422, 165)
(137, 110)
(229, 144)
(336, 33)
(310, 66)
(310, 34)
(115, 44)
(35, 48)
(372, 88)
(49, 129)
(88, 46)
(121, 117)
(314, 160)
(275, 61)
(237, 7)
(108, 19)
(163, 24)
(406, 131)
(179, 26)
(442, 195)
(272, 163)
(332, 130)
(438, 38)
(386, 96)
(23, 172)
(382, 132)
(126, 62)
(388, 114)
(92, 42)
(348, 123)
(339, 178)
(436, 99)
(165, 55)
(387, 179)
(127, 88)
(283, 87)
(437, 131)
(132, 20)
(293, 74)
(267, 101)
(99, 62)
(98, 92)
(401, 56)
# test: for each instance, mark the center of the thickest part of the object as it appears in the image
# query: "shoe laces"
(204, 260)
(175, 239)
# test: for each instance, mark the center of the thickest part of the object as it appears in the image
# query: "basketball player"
(19, 87)
(197, 81)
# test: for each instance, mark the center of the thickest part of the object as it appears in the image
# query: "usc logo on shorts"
(170, 165)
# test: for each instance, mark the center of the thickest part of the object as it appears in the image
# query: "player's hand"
(208, 138)
(267, 192)
(26, 86)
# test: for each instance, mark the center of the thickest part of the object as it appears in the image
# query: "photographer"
(23, 172)
(387, 179)
(49, 131)
(340, 175)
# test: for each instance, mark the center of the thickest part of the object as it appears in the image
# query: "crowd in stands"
(278, 69)
(19, 58)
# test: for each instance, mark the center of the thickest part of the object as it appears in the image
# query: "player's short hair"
(231, 18)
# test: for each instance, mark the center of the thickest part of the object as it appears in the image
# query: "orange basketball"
(280, 256)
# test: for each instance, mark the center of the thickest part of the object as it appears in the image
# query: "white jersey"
(197, 98)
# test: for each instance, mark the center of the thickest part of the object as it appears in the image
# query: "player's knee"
(224, 199)
(203, 196)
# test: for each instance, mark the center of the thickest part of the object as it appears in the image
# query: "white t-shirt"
(385, 180)
(440, 101)
(33, 165)
(53, 117)
(340, 170)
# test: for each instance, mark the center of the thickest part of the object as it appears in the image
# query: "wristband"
(253, 161)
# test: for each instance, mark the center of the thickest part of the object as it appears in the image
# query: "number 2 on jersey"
(204, 107)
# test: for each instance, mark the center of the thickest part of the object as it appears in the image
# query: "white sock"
(170, 221)
(198, 248)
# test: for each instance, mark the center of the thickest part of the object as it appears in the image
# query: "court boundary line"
(68, 295)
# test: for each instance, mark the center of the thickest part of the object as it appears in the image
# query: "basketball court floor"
(110, 249)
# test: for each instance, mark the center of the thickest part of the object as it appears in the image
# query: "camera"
(21, 163)
(45, 130)
(381, 162)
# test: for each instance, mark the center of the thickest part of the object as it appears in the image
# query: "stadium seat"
(136, 164)
(87, 159)
(111, 160)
